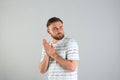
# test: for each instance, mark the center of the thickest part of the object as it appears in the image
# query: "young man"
(61, 55)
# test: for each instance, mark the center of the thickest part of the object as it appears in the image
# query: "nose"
(59, 30)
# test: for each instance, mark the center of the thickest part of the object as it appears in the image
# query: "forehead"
(55, 24)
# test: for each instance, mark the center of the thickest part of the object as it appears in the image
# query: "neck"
(54, 41)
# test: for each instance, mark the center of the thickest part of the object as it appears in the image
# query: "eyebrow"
(56, 27)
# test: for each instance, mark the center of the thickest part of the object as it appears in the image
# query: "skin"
(55, 29)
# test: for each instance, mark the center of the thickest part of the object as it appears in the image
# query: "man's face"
(55, 29)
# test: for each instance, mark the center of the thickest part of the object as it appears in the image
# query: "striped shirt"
(67, 48)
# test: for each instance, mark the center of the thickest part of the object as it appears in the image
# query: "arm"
(43, 66)
(67, 64)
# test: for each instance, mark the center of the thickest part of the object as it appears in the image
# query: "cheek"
(62, 31)
(52, 33)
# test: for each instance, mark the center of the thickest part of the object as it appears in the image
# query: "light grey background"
(95, 24)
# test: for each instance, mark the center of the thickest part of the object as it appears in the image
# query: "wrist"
(54, 56)
(47, 56)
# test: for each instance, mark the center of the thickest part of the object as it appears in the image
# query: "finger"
(46, 44)
(51, 46)
(44, 41)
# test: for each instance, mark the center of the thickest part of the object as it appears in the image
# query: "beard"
(58, 37)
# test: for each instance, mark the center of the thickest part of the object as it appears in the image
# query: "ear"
(48, 31)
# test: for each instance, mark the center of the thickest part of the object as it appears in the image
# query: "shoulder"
(70, 41)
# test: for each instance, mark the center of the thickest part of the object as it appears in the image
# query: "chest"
(61, 50)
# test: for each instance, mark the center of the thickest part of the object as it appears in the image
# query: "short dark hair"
(53, 19)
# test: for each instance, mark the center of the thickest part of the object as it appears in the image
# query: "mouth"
(60, 34)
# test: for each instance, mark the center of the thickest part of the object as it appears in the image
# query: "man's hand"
(49, 49)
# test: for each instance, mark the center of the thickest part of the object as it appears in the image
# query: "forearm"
(67, 64)
(43, 66)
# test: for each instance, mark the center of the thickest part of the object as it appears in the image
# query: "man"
(60, 56)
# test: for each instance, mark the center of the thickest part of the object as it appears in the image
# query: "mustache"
(59, 33)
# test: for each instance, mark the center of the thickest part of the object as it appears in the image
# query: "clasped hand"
(49, 49)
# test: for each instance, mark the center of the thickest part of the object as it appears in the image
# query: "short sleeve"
(72, 50)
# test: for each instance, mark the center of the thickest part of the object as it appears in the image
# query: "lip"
(59, 34)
